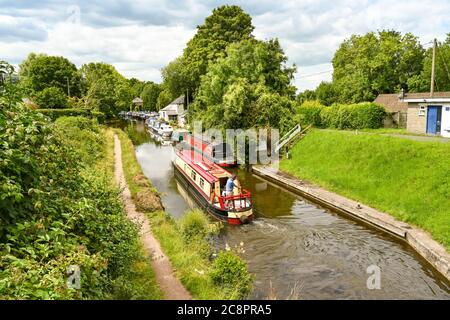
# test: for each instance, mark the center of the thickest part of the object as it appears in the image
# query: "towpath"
(169, 284)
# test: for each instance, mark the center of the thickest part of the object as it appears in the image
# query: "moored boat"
(218, 152)
(205, 181)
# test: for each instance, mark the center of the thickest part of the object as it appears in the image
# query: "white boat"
(165, 130)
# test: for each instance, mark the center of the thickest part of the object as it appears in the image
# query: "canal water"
(297, 249)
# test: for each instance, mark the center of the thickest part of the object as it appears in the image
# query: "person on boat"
(230, 186)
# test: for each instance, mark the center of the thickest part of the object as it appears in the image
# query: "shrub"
(309, 113)
(230, 271)
(54, 114)
(194, 225)
(51, 97)
(354, 116)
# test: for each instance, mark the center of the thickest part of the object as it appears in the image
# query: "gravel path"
(169, 284)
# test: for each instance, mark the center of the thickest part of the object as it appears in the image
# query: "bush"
(56, 113)
(230, 271)
(354, 116)
(59, 207)
(194, 225)
(51, 97)
(309, 113)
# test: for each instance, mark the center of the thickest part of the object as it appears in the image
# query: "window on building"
(193, 175)
(202, 183)
(422, 110)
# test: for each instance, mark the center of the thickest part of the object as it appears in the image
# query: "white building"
(174, 111)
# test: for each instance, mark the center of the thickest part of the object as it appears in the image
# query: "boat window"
(202, 183)
(193, 175)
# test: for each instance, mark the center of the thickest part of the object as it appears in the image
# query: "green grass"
(408, 179)
(188, 254)
(140, 282)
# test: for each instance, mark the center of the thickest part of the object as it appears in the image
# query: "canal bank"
(418, 239)
(298, 248)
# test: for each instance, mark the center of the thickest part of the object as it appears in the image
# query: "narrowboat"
(205, 182)
(218, 152)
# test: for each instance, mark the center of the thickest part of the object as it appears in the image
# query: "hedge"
(340, 116)
(56, 113)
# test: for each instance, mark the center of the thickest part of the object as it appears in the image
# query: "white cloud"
(139, 37)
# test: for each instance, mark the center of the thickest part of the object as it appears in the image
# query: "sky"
(140, 37)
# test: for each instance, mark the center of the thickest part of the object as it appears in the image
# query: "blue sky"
(140, 37)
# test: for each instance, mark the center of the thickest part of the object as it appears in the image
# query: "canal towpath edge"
(168, 283)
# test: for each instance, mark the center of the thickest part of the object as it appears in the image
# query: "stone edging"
(418, 239)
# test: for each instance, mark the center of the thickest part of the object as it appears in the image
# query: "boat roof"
(210, 171)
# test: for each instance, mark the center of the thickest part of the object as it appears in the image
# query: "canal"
(297, 249)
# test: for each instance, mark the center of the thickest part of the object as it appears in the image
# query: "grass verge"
(408, 179)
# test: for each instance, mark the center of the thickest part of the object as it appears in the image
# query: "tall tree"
(226, 25)
(149, 96)
(107, 90)
(230, 93)
(374, 63)
(41, 71)
(422, 82)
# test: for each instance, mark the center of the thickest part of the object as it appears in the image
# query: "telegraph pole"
(68, 87)
(433, 68)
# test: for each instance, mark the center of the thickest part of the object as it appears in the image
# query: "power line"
(314, 74)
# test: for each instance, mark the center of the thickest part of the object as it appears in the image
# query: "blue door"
(434, 119)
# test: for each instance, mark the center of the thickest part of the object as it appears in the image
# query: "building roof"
(391, 102)
(426, 95)
(137, 100)
(173, 106)
(179, 100)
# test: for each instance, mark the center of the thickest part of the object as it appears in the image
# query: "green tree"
(52, 98)
(41, 71)
(226, 25)
(326, 93)
(230, 93)
(164, 98)
(306, 95)
(107, 90)
(374, 63)
(422, 82)
(150, 95)
(10, 93)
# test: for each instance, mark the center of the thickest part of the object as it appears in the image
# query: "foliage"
(194, 224)
(422, 81)
(53, 114)
(39, 72)
(391, 174)
(230, 271)
(306, 95)
(226, 25)
(164, 98)
(59, 208)
(252, 77)
(149, 96)
(107, 90)
(326, 93)
(52, 98)
(10, 94)
(355, 116)
(309, 112)
(367, 65)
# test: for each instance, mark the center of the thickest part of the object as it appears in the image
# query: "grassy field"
(189, 257)
(408, 179)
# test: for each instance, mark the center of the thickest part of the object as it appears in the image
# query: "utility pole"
(433, 68)
(68, 87)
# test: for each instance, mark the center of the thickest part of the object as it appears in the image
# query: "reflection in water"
(295, 243)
